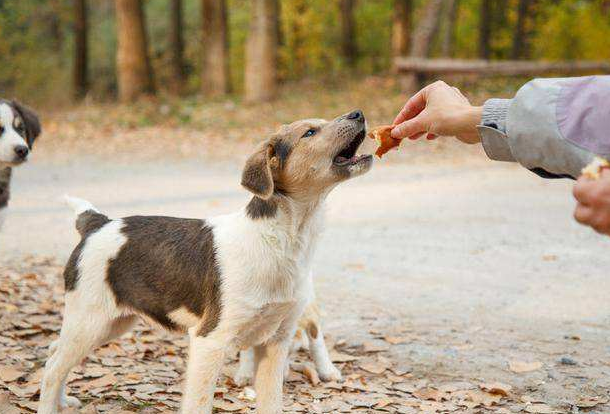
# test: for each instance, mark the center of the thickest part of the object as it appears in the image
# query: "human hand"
(438, 109)
(593, 197)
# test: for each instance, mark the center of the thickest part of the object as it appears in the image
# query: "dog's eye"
(309, 133)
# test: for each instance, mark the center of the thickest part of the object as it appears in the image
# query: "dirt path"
(474, 265)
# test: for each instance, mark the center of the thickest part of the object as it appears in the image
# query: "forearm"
(552, 126)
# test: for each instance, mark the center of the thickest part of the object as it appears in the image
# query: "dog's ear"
(30, 121)
(257, 176)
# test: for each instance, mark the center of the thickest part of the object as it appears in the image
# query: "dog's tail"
(88, 218)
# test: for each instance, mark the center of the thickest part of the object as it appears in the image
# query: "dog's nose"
(356, 115)
(22, 151)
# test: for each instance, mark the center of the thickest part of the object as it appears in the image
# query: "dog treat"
(595, 167)
(382, 135)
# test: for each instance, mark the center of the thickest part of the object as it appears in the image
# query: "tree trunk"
(176, 46)
(401, 27)
(426, 29)
(348, 31)
(448, 40)
(261, 52)
(133, 64)
(521, 33)
(485, 29)
(421, 43)
(81, 28)
(215, 41)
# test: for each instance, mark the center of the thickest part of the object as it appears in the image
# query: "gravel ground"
(476, 264)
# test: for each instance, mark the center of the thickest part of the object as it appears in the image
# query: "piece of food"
(382, 135)
(595, 167)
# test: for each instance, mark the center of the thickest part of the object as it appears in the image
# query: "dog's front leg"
(206, 358)
(270, 360)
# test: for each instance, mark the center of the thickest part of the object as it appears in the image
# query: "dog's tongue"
(341, 159)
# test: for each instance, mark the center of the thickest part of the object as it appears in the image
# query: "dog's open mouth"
(348, 156)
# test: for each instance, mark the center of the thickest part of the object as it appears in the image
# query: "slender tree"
(485, 23)
(401, 27)
(426, 29)
(521, 33)
(421, 42)
(176, 45)
(450, 15)
(133, 65)
(80, 75)
(349, 48)
(215, 68)
(261, 52)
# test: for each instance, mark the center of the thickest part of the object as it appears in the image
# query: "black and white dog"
(235, 281)
(19, 127)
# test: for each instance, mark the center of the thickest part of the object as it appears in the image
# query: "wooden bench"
(416, 71)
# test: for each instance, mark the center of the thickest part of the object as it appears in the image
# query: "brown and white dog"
(19, 127)
(233, 282)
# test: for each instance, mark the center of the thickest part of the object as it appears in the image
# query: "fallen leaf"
(309, 371)
(588, 402)
(341, 357)
(483, 398)
(430, 394)
(105, 381)
(231, 406)
(395, 340)
(374, 367)
(375, 346)
(521, 367)
(496, 388)
(540, 409)
(10, 374)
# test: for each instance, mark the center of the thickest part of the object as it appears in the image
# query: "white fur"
(78, 205)
(9, 139)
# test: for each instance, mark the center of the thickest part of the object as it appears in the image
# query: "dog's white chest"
(262, 325)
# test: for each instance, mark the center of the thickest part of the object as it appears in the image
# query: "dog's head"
(308, 158)
(19, 127)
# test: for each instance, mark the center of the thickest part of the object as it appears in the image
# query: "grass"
(192, 127)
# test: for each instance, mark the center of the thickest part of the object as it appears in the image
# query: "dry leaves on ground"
(143, 371)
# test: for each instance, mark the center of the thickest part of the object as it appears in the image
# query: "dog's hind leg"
(79, 335)
(245, 372)
(118, 327)
(319, 353)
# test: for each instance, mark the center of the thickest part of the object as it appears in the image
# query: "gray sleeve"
(551, 126)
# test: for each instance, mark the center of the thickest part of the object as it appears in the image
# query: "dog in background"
(235, 281)
(19, 127)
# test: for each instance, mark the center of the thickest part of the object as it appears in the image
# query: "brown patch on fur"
(167, 263)
(258, 208)
(312, 329)
(257, 176)
(30, 121)
(87, 223)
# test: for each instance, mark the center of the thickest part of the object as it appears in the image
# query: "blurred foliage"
(36, 43)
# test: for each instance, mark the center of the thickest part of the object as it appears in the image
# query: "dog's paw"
(70, 402)
(330, 373)
(242, 379)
